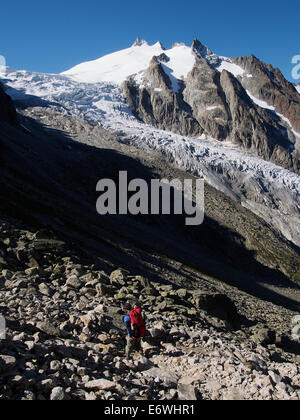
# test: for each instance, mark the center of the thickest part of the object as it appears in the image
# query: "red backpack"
(138, 326)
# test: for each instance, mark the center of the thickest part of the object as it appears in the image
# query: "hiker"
(135, 328)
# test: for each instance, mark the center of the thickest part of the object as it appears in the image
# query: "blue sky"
(54, 36)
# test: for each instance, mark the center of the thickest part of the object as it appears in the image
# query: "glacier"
(269, 191)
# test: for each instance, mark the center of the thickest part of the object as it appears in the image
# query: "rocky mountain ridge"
(65, 339)
(219, 300)
(251, 104)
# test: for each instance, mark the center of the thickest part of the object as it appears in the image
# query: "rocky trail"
(65, 338)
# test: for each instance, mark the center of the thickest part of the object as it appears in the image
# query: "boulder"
(188, 392)
(73, 282)
(7, 363)
(162, 376)
(57, 394)
(118, 277)
(101, 384)
(262, 335)
(48, 328)
(44, 289)
(217, 305)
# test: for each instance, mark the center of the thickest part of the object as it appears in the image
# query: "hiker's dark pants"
(133, 345)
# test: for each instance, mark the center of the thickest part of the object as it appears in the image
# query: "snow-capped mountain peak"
(117, 67)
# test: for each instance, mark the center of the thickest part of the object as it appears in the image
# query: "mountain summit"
(139, 42)
(117, 67)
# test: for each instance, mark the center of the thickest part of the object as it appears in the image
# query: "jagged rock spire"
(200, 50)
(139, 42)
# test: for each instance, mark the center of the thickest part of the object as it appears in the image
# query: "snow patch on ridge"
(182, 61)
(260, 102)
(117, 67)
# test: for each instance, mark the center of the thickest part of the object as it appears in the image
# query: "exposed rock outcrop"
(267, 83)
(203, 93)
(202, 51)
(250, 125)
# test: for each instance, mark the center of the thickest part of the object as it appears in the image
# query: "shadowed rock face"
(156, 103)
(270, 85)
(218, 105)
(252, 126)
(202, 51)
(7, 109)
